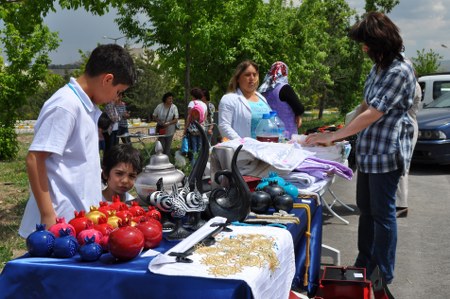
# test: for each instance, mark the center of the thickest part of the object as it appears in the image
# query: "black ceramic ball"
(283, 202)
(274, 190)
(260, 202)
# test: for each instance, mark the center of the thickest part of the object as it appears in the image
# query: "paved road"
(423, 254)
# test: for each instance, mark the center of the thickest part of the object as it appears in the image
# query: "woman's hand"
(324, 139)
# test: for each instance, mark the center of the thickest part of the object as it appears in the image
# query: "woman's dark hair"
(381, 36)
(121, 153)
(233, 85)
(112, 59)
(166, 96)
(206, 94)
(197, 93)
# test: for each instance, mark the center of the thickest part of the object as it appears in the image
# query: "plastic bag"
(185, 145)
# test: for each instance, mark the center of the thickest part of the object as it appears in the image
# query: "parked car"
(433, 143)
(433, 86)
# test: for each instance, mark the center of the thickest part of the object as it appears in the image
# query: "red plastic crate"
(345, 283)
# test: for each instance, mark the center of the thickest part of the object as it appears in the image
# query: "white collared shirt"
(67, 128)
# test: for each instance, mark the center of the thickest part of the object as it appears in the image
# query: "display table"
(28, 277)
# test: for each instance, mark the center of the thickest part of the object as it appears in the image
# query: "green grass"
(13, 197)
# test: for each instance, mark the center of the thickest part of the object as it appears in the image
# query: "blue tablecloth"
(30, 277)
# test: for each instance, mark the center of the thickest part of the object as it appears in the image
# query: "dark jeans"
(166, 143)
(110, 140)
(121, 131)
(377, 231)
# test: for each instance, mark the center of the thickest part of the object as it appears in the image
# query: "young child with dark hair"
(63, 161)
(121, 166)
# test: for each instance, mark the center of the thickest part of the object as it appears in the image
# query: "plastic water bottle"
(280, 125)
(267, 130)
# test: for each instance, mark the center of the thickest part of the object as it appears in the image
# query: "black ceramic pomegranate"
(260, 202)
(274, 190)
(283, 202)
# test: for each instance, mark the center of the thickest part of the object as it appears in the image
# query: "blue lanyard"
(76, 93)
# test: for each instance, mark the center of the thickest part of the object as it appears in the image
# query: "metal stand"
(335, 199)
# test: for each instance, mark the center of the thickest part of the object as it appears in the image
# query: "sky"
(424, 24)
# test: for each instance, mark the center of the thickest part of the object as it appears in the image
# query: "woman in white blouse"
(242, 107)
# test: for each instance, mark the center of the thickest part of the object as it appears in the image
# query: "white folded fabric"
(258, 158)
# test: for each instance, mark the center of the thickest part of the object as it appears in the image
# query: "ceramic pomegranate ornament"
(283, 202)
(153, 213)
(103, 226)
(66, 245)
(79, 222)
(40, 243)
(117, 205)
(136, 209)
(113, 220)
(61, 224)
(125, 242)
(89, 232)
(152, 233)
(260, 202)
(90, 251)
(104, 207)
(94, 214)
(124, 214)
(274, 189)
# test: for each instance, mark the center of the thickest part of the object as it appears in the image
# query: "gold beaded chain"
(229, 256)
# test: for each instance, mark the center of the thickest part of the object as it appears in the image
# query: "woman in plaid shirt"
(383, 149)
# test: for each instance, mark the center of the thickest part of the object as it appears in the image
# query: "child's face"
(121, 178)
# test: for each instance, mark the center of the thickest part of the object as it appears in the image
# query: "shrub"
(9, 146)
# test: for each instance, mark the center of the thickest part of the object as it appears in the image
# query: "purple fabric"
(282, 108)
(321, 168)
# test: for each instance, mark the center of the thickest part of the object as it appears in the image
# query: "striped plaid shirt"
(386, 145)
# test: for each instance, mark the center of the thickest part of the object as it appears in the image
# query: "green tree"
(192, 37)
(384, 6)
(426, 62)
(26, 43)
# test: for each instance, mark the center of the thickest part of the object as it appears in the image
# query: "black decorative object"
(233, 201)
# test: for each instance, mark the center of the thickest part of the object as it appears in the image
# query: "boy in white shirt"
(63, 161)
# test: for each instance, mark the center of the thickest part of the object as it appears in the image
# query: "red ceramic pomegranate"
(153, 213)
(62, 224)
(125, 215)
(80, 221)
(89, 232)
(104, 207)
(117, 205)
(136, 209)
(152, 233)
(103, 226)
(125, 242)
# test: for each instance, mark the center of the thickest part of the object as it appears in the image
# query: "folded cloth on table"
(300, 179)
(322, 169)
(258, 158)
(265, 279)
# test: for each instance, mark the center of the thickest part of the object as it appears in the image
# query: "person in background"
(166, 115)
(121, 166)
(121, 109)
(242, 107)
(384, 144)
(197, 111)
(110, 135)
(63, 161)
(402, 191)
(282, 97)
(209, 127)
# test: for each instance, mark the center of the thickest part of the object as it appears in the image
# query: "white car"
(433, 86)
